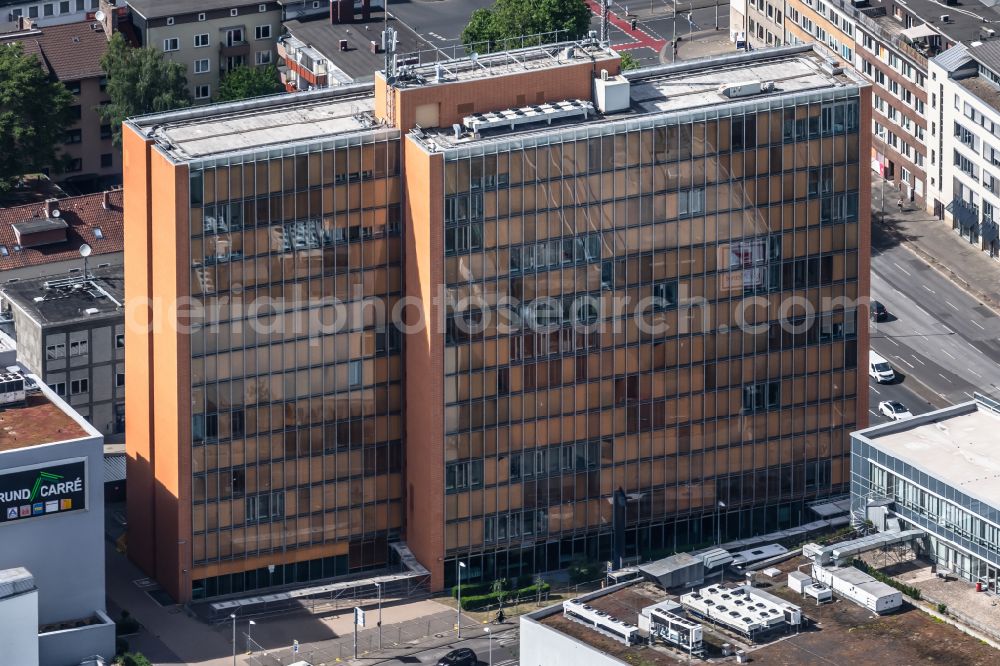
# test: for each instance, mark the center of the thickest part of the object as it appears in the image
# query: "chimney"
(105, 201)
(51, 205)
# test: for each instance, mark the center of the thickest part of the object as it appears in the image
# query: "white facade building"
(964, 142)
(48, 12)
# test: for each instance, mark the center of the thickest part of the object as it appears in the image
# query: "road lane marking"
(969, 394)
(892, 341)
(949, 354)
(944, 378)
(872, 413)
(901, 268)
(974, 372)
(917, 359)
(977, 324)
(903, 360)
(926, 313)
(949, 303)
(928, 288)
(877, 392)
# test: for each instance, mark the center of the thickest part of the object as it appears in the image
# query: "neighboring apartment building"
(72, 54)
(929, 473)
(48, 12)
(965, 180)
(318, 53)
(544, 210)
(91, 219)
(52, 523)
(70, 331)
(210, 37)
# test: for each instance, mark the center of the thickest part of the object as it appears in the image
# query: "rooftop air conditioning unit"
(945, 18)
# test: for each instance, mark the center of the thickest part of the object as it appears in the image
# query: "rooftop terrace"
(38, 421)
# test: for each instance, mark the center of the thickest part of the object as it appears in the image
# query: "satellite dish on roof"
(55, 212)
(85, 250)
(98, 15)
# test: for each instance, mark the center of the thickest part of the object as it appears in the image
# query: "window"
(691, 202)
(98, 232)
(263, 57)
(120, 341)
(4, 252)
(201, 40)
(171, 44)
(33, 11)
(463, 238)
(202, 66)
(119, 379)
(203, 91)
(262, 8)
(354, 373)
(170, 20)
(59, 388)
(234, 37)
(234, 12)
(64, 7)
(262, 32)
(201, 17)
(106, 132)
(463, 476)
(75, 165)
(665, 295)
(761, 396)
(265, 507)
(53, 352)
(107, 160)
(78, 386)
(49, 10)
(73, 87)
(78, 348)
(73, 136)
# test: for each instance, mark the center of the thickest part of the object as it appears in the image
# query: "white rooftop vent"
(91, 311)
(945, 18)
(743, 89)
(528, 115)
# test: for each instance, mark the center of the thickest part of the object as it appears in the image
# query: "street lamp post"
(249, 639)
(232, 616)
(379, 586)
(489, 636)
(458, 623)
(718, 523)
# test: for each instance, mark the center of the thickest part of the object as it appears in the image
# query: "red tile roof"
(83, 214)
(71, 51)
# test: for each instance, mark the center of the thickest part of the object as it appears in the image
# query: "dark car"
(459, 657)
(878, 311)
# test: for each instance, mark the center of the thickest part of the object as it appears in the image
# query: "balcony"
(966, 214)
(234, 47)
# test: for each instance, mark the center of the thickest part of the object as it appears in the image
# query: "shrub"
(943, 609)
(581, 571)
(476, 602)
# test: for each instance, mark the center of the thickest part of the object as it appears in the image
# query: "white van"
(879, 368)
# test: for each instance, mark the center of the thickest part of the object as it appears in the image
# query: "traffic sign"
(295, 647)
(359, 617)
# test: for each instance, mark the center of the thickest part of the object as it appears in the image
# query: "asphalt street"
(505, 648)
(943, 341)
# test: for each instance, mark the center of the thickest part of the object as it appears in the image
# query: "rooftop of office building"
(65, 299)
(685, 86)
(32, 419)
(284, 120)
(963, 24)
(956, 445)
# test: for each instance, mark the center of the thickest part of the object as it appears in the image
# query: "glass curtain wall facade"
(296, 372)
(556, 396)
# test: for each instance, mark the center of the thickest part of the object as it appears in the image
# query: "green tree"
(629, 62)
(34, 115)
(140, 81)
(244, 82)
(504, 24)
(133, 659)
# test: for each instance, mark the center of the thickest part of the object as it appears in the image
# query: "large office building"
(937, 472)
(625, 306)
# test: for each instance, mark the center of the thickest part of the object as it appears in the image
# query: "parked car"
(877, 311)
(459, 657)
(894, 410)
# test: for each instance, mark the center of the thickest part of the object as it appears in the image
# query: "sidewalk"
(935, 242)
